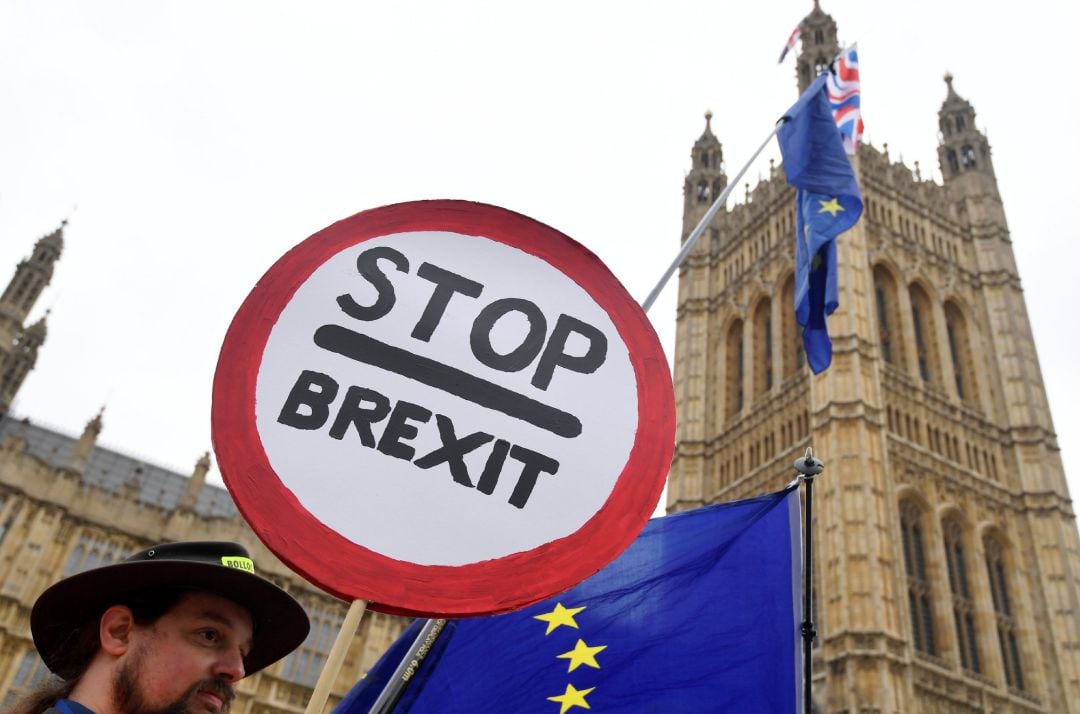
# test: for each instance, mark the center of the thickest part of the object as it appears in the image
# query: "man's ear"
(115, 629)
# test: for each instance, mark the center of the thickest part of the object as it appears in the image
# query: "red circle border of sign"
(351, 571)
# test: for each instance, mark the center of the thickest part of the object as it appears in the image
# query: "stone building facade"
(947, 568)
(68, 504)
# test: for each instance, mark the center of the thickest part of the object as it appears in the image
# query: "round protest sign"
(444, 408)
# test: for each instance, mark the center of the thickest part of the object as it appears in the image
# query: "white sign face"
(445, 399)
(443, 408)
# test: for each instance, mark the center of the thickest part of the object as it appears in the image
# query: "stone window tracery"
(93, 550)
(793, 356)
(919, 590)
(954, 163)
(703, 191)
(735, 369)
(961, 354)
(922, 318)
(763, 347)
(305, 663)
(967, 157)
(1008, 639)
(888, 317)
(967, 641)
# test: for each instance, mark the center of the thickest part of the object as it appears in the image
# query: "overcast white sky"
(201, 140)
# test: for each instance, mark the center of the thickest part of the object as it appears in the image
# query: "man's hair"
(82, 644)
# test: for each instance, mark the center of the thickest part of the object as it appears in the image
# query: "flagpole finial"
(809, 466)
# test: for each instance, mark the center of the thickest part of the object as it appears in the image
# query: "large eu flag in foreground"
(700, 614)
(827, 203)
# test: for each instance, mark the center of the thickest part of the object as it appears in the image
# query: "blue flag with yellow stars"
(827, 203)
(700, 614)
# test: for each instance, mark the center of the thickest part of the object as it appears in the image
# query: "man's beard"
(129, 699)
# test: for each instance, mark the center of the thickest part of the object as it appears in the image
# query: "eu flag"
(700, 614)
(827, 203)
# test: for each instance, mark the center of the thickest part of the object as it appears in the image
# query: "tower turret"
(20, 361)
(963, 150)
(31, 277)
(819, 45)
(706, 179)
(80, 455)
(195, 483)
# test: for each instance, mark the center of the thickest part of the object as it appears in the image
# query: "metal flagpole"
(688, 245)
(408, 667)
(808, 467)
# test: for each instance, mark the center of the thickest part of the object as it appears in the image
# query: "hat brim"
(280, 623)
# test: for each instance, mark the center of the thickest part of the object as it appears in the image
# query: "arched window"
(1003, 613)
(919, 593)
(793, 356)
(304, 664)
(960, 123)
(705, 159)
(763, 347)
(967, 157)
(967, 641)
(735, 369)
(960, 352)
(946, 126)
(922, 318)
(703, 191)
(888, 317)
(954, 163)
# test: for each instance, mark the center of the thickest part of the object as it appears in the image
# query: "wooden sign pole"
(337, 656)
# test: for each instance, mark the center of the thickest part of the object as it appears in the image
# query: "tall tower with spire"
(947, 568)
(19, 344)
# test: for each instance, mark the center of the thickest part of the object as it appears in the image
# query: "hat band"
(238, 562)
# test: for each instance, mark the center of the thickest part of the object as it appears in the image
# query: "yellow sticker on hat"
(238, 562)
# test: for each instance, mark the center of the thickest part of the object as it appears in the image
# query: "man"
(170, 630)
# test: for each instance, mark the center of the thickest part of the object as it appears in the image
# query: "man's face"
(186, 662)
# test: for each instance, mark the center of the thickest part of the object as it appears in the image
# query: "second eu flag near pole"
(701, 613)
(827, 203)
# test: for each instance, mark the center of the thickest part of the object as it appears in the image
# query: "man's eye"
(209, 635)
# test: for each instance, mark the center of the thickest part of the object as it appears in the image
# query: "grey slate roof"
(114, 471)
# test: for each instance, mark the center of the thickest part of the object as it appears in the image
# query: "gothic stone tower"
(19, 344)
(947, 573)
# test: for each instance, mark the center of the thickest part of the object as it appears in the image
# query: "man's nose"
(230, 666)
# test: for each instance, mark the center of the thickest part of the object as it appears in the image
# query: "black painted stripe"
(452, 380)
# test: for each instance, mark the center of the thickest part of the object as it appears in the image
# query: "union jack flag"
(790, 44)
(843, 88)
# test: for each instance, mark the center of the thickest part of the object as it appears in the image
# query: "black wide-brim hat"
(220, 568)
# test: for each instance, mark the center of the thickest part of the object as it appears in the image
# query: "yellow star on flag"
(559, 616)
(572, 698)
(832, 207)
(582, 654)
